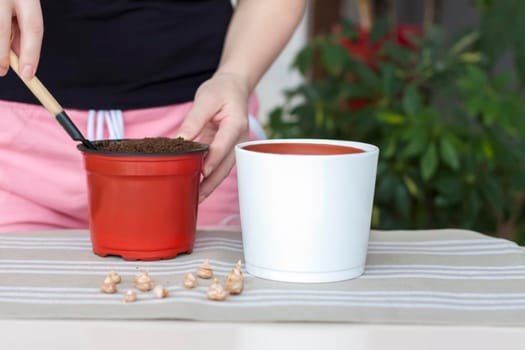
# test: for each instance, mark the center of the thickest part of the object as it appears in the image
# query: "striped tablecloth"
(412, 277)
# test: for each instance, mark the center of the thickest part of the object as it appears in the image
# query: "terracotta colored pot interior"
(302, 148)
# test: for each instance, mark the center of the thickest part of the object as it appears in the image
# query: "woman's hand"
(219, 118)
(257, 33)
(21, 28)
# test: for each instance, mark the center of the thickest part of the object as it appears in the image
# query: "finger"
(29, 17)
(215, 179)
(5, 35)
(229, 134)
(203, 109)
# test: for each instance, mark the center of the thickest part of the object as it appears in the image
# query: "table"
(434, 286)
(140, 335)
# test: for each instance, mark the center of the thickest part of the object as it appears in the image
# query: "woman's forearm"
(258, 32)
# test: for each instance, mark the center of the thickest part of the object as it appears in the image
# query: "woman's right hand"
(21, 28)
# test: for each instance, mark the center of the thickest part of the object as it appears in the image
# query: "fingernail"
(27, 71)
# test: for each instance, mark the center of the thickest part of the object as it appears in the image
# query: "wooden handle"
(37, 88)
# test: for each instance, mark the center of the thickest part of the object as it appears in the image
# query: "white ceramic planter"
(306, 218)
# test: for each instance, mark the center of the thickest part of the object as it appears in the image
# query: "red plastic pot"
(143, 206)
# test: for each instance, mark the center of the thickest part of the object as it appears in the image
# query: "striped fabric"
(424, 277)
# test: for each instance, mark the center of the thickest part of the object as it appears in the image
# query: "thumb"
(195, 121)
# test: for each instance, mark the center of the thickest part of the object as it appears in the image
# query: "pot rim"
(84, 149)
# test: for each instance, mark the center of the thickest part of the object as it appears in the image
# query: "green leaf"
(451, 189)
(379, 30)
(391, 118)
(411, 186)
(366, 76)
(487, 148)
(334, 57)
(275, 116)
(388, 79)
(416, 146)
(448, 153)
(310, 92)
(473, 82)
(464, 43)
(390, 147)
(518, 181)
(402, 199)
(471, 57)
(319, 114)
(376, 216)
(395, 52)
(429, 162)
(411, 100)
(354, 91)
(520, 64)
(483, 4)
(304, 58)
(491, 191)
(472, 207)
(385, 187)
(348, 30)
(516, 33)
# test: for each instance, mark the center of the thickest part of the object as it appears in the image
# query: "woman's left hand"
(219, 118)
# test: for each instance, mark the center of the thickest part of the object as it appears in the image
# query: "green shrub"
(451, 132)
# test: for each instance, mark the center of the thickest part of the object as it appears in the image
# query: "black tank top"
(126, 54)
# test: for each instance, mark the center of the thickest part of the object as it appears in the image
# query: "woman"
(129, 68)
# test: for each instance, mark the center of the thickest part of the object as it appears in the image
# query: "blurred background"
(438, 85)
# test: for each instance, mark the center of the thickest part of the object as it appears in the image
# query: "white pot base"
(305, 277)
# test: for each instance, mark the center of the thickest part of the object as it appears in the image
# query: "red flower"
(405, 35)
(361, 48)
(358, 103)
(367, 52)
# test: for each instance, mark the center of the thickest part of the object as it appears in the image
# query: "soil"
(148, 145)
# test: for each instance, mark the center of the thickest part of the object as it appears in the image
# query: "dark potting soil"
(148, 145)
